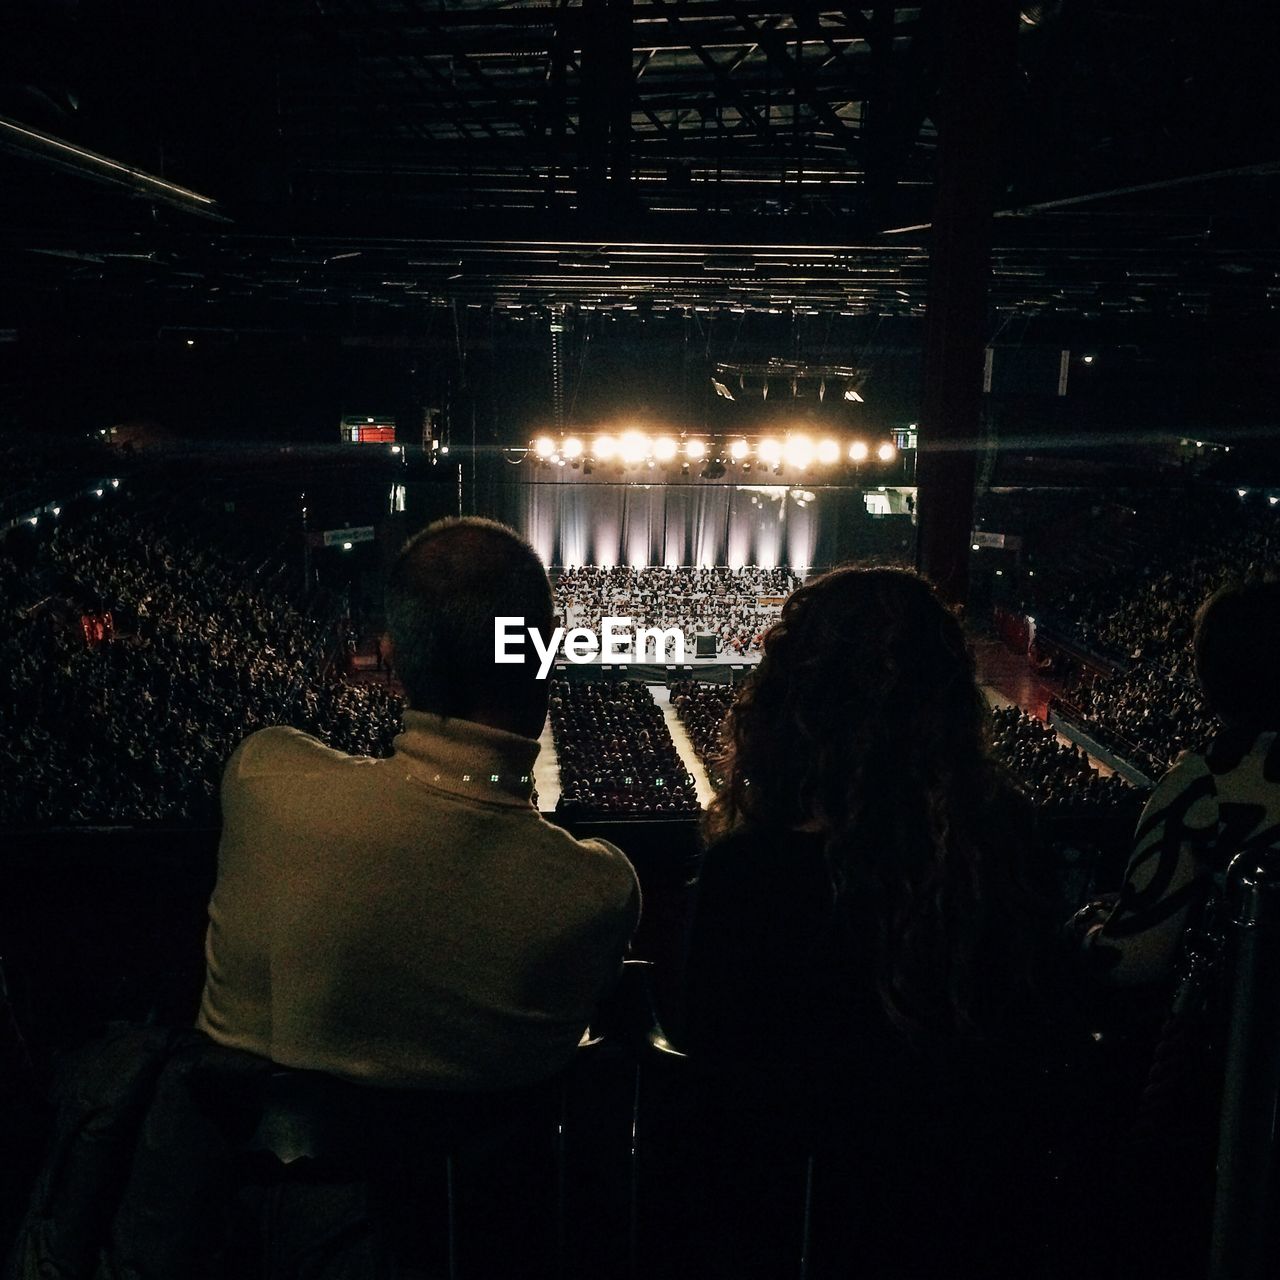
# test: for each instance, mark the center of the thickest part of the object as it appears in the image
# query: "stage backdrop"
(608, 523)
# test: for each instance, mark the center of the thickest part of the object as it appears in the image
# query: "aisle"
(684, 748)
(546, 771)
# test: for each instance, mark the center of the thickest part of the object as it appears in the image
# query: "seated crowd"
(1129, 596)
(721, 601)
(1054, 775)
(203, 651)
(616, 754)
(702, 709)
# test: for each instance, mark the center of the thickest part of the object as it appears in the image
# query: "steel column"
(980, 42)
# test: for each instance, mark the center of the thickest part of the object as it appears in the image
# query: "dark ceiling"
(384, 158)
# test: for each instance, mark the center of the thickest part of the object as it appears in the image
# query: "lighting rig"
(712, 456)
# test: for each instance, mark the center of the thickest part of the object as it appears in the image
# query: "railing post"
(1251, 1084)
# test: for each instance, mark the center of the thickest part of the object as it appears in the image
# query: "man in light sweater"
(413, 922)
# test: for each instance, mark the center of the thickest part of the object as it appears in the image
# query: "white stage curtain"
(609, 523)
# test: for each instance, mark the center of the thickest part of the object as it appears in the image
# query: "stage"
(719, 670)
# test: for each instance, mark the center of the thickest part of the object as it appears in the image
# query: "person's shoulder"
(592, 854)
(282, 749)
(599, 864)
(1185, 799)
(1188, 770)
(1230, 750)
(608, 857)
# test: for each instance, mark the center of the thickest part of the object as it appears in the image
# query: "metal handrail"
(1244, 1195)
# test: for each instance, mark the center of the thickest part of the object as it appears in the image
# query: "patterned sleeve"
(1168, 873)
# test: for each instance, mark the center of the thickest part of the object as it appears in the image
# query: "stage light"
(828, 452)
(973, 546)
(1272, 499)
(798, 451)
(851, 393)
(33, 519)
(739, 450)
(572, 447)
(444, 448)
(858, 451)
(98, 493)
(191, 342)
(544, 446)
(395, 448)
(664, 449)
(115, 484)
(769, 450)
(604, 448)
(886, 452)
(346, 546)
(695, 449)
(57, 511)
(634, 446)
(1088, 359)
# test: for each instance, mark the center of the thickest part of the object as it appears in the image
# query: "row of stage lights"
(634, 447)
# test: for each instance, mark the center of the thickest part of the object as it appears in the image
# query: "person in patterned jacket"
(1208, 808)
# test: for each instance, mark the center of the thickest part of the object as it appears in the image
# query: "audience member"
(414, 922)
(1210, 806)
(869, 948)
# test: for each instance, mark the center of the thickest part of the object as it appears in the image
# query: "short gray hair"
(444, 589)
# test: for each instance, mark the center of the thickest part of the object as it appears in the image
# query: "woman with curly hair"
(867, 940)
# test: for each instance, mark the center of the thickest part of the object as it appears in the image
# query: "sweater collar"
(467, 759)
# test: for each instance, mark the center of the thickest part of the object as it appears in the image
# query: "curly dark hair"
(864, 721)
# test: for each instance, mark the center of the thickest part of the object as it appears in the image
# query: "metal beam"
(34, 144)
(776, 48)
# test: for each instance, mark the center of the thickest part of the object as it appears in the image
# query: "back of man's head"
(444, 591)
(1237, 653)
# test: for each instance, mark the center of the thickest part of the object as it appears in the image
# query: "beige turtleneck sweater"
(408, 922)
